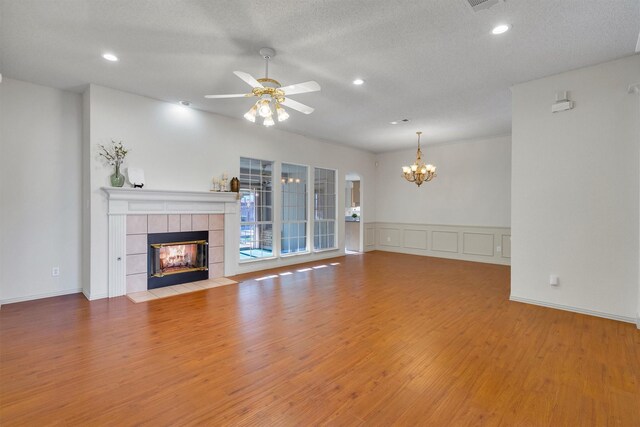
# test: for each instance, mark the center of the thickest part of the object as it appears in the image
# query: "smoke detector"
(478, 5)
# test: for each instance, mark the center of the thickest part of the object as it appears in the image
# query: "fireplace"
(175, 258)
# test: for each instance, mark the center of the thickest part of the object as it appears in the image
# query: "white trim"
(40, 296)
(319, 251)
(252, 260)
(290, 261)
(574, 309)
(92, 297)
(122, 193)
(293, 254)
(132, 201)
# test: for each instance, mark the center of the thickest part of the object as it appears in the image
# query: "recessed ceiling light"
(185, 103)
(500, 29)
(394, 122)
(358, 82)
(110, 57)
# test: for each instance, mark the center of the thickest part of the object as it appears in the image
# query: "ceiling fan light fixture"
(251, 114)
(268, 121)
(264, 110)
(282, 113)
(270, 94)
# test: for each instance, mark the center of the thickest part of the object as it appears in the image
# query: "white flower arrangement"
(113, 155)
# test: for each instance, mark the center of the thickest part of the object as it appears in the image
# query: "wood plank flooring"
(377, 339)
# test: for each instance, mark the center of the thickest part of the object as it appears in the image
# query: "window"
(256, 209)
(324, 209)
(294, 209)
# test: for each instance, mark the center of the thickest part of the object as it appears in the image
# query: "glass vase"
(117, 179)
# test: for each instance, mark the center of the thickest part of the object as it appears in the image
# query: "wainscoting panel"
(444, 241)
(389, 237)
(369, 236)
(506, 246)
(415, 239)
(478, 244)
(470, 243)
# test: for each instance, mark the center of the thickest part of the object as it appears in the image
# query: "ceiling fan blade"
(233, 95)
(305, 87)
(288, 102)
(248, 78)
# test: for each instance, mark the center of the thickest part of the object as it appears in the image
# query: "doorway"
(353, 214)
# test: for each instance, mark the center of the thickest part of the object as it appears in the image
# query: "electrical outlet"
(388, 239)
(55, 271)
(499, 249)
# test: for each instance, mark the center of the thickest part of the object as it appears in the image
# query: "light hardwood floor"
(378, 339)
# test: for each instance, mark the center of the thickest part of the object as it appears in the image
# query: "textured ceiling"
(432, 61)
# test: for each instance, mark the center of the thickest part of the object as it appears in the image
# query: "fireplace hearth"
(175, 258)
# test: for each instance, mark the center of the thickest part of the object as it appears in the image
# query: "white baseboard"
(576, 310)
(92, 297)
(39, 296)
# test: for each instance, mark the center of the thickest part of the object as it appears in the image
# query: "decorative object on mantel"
(224, 182)
(419, 172)
(271, 95)
(114, 156)
(136, 177)
(220, 184)
(235, 184)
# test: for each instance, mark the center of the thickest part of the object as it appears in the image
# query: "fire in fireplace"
(177, 258)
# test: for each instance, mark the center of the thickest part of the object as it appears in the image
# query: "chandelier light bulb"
(264, 110)
(251, 114)
(414, 167)
(406, 169)
(268, 121)
(282, 113)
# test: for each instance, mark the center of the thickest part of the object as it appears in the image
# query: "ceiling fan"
(270, 92)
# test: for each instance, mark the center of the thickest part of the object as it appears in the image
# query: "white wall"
(472, 186)
(575, 191)
(182, 149)
(40, 200)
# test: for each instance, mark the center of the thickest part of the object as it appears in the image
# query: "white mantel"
(143, 201)
(138, 201)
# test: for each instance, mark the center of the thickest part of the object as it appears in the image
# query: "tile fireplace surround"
(133, 213)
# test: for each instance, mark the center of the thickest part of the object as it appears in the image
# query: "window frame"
(307, 217)
(335, 212)
(256, 224)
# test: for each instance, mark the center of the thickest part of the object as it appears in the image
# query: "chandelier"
(419, 172)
